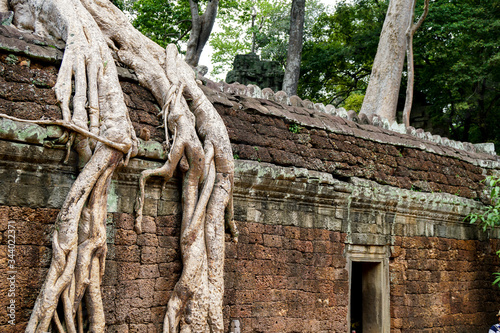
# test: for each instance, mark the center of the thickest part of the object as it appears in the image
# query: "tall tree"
(338, 53)
(458, 62)
(382, 93)
(271, 30)
(201, 28)
(95, 34)
(292, 70)
(410, 32)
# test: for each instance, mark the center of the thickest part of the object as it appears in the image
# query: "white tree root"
(124, 148)
(158, 70)
(98, 112)
(199, 291)
(61, 276)
(96, 33)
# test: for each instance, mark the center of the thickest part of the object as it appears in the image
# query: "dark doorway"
(366, 297)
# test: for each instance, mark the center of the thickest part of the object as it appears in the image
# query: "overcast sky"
(207, 50)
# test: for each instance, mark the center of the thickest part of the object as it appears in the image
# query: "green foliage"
(415, 188)
(294, 128)
(457, 62)
(337, 59)
(166, 21)
(163, 21)
(491, 217)
(236, 35)
(11, 59)
(457, 58)
(271, 28)
(120, 4)
(354, 101)
(457, 67)
(497, 275)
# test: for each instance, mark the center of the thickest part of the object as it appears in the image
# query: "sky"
(207, 50)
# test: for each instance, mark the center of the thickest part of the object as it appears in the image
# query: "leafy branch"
(491, 217)
(294, 128)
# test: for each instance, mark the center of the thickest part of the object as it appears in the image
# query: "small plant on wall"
(294, 128)
(491, 216)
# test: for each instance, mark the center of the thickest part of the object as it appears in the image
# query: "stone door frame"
(372, 254)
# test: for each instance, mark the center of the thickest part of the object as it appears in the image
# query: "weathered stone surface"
(303, 194)
(249, 69)
(15, 41)
(282, 278)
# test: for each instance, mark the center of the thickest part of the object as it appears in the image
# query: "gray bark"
(381, 96)
(292, 71)
(201, 28)
(412, 28)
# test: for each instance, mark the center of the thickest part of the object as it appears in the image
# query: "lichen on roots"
(96, 35)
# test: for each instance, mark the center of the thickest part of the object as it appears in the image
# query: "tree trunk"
(292, 71)
(200, 32)
(466, 126)
(381, 96)
(96, 33)
(412, 28)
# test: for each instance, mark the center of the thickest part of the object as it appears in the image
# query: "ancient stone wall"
(441, 283)
(315, 195)
(289, 272)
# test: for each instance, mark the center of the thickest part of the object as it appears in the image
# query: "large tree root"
(159, 70)
(98, 112)
(199, 292)
(96, 34)
(60, 279)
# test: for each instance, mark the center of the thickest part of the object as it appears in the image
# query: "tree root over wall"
(97, 34)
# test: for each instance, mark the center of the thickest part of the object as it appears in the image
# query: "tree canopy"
(455, 51)
(163, 21)
(338, 55)
(457, 63)
(167, 21)
(271, 30)
(458, 68)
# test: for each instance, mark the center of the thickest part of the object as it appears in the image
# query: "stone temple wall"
(320, 198)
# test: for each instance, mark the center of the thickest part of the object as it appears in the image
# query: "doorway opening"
(366, 297)
(369, 290)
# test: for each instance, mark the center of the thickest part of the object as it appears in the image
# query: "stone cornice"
(369, 213)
